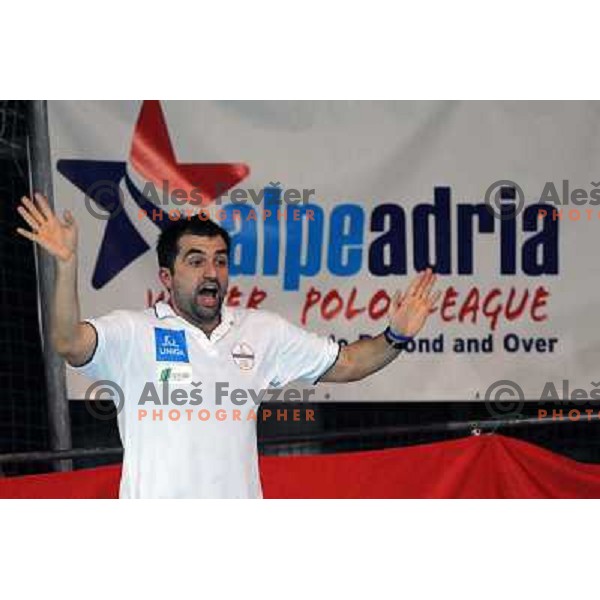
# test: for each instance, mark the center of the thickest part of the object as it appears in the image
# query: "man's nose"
(210, 272)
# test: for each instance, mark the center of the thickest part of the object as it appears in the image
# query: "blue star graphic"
(100, 182)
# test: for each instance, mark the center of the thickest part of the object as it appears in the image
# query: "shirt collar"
(162, 310)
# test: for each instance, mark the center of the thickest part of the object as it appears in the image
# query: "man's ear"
(166, 278)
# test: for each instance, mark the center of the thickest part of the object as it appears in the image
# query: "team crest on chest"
(243, 356)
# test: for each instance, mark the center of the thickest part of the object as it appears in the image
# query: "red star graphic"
(153, 158)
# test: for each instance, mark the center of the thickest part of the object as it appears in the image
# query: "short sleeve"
(113, 338)
(302, 355)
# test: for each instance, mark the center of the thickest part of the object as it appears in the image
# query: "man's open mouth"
(208, 294)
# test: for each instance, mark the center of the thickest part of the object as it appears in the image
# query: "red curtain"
(489, 466)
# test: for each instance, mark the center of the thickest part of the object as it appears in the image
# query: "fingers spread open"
(28, 218)
(27, 234)
(414, 285)
(425, 277)
(44, 206)
(33, 210)
(428, 285)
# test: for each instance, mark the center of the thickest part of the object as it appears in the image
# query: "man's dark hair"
(168, 241)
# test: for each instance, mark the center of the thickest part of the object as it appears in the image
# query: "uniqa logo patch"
(171, 345)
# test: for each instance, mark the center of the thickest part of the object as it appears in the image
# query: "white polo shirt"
(203, 453)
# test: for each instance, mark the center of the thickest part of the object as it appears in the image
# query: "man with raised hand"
(200, 344)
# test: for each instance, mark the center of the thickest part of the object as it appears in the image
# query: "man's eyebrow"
(198, 251)
(193, 251)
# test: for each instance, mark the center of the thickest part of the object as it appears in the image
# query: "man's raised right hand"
(58, 237)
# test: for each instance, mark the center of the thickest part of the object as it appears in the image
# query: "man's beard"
(200, 307)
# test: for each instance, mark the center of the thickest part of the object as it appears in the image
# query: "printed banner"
(334, 206)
